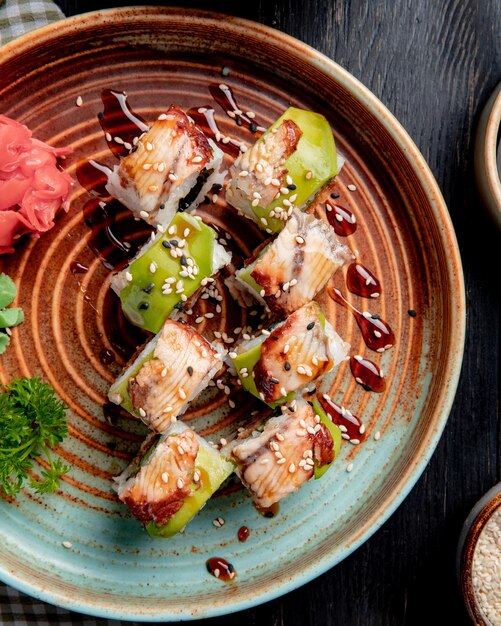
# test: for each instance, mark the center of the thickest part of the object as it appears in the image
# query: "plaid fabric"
(19, 16)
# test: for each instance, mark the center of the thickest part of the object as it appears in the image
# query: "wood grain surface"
(434, 64)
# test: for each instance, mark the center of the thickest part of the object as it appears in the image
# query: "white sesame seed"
(180, 483)
(308, 175)
(142, 412)
(281, 461)
(182, 393)
(351, 187)
(349, 467)
(79, 101)
(377, 435)
(244, 173)
(292, 468)
(197, 159)
(108, 137)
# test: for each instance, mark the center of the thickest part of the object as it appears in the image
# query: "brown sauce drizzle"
(350, 425)
(225, 97)
(118, 120)
(205, 119)
(93, 176)
(367, 374)
(220, 568)
(342, 220)
(362, 281)
(243, 534)
(376, 332)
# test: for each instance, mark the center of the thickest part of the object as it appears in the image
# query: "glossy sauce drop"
(350, 425)
(367, 374)
(342, 220)
(362, 282)
(376, 332)
(119, 121)
(269, 511)
(106, 357)
(78, 268)
(243, 534)
(204, 117)
(221, 568)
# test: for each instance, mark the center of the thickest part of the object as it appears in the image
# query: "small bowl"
(486, 155)
(473, 527)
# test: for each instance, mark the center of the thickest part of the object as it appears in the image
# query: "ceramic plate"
(75, 337)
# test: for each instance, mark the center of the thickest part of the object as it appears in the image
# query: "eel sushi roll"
(295, 352)
(171, 168)
(169, 372)
(171, 479)
(168, 270)
(286, 167)
(289, 450)
(296, 266)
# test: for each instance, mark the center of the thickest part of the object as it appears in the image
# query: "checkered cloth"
(19, 16)
(16, 18)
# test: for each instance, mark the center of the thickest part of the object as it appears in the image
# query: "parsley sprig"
(32, 421)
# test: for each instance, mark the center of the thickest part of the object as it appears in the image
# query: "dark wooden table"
(433, 64)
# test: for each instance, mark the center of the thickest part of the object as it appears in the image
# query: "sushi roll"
(168, 270)
(297, 351)
(296, 265)
(171, 168)
(169, 372)
(171, 479)
(290, 449)
(286, 166)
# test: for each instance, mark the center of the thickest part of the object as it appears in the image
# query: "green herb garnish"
(32, 421)
(8, 317)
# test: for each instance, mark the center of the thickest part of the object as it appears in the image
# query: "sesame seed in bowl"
(479, 560)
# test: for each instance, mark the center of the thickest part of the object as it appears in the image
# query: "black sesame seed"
(183, 260)
(217, 187)
(190, 370)
(292, 187)
(274, 381)
(312, 391)
(149, 288)
(238, 120)
(183, 205)
(161, 207)
(366, 387)
(230, 568)
(412, 313)
(179, 306)
(101, 115)
(166, 244)
(174, 242)
(334, 196)
(375, 316)
(287, 366)
(252, 127)
(144, 305)
(269, 514)
(310, 326)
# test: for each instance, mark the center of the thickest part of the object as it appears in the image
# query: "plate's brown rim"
(448, 240)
